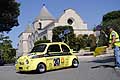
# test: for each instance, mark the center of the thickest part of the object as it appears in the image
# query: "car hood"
(22, 59)
(29, 55)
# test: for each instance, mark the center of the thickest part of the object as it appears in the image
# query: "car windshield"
(39, 48)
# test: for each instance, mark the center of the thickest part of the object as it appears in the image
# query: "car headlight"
(16, 62)
(27, 62)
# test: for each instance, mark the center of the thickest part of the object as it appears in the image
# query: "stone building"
(43, 24)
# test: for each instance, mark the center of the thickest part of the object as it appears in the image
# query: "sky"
(91, 11)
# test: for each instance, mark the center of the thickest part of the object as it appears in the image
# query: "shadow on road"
(116, 71)
(35, 72)
(105, 60)
(104, 66)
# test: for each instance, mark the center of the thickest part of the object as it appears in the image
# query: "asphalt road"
(89, 69)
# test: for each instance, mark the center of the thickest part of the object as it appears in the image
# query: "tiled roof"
(45, 14)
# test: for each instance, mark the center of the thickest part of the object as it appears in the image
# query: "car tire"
(75, 63)
(41, 68)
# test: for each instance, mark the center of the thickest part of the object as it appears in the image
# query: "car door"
(53, 60)
(66, 55)
(49, 62)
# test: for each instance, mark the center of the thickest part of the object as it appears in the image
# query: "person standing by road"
(114, 42)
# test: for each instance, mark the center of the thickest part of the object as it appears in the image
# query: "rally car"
(47, 56)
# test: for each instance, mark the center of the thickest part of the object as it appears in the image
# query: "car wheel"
(75, 63)
(41, 68)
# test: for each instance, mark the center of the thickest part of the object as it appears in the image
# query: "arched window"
(70, 21)
(40, 26)
(44, 38)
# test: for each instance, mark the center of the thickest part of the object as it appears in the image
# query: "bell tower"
(43, 19)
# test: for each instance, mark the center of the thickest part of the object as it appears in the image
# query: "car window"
(39, 48)
(54, 48)
(65, 48)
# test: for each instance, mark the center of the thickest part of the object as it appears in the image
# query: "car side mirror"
(48, 52)
(71, 50)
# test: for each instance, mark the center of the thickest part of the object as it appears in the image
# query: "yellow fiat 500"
(47, 56)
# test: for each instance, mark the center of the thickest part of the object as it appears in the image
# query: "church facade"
(43, 24)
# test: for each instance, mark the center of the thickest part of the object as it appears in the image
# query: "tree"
(9, 12)
(80, 41)
(67, 38)
(92, 42)
(111, 16)
(109, 19)
(8, 52)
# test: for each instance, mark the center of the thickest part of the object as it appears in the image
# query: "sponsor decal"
(62, 60)
(56, 61)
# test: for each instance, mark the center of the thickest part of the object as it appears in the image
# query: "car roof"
(52, 43)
